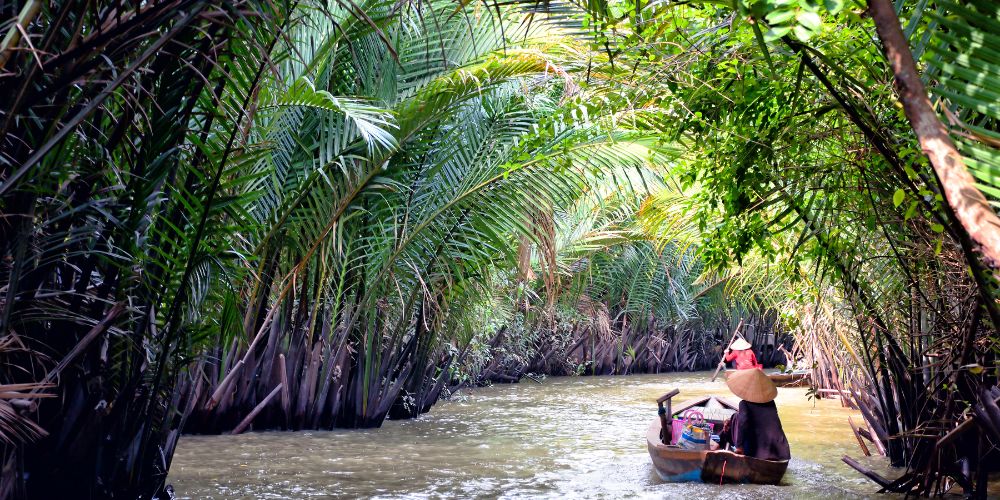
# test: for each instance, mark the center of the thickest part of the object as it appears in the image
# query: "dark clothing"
(759, 433)
(726, 434)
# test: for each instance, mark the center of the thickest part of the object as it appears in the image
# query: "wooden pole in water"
(257, 409)
(722, 360)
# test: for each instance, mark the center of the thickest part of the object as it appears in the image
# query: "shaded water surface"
(567, 437)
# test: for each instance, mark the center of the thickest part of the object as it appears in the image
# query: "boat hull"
(726, 467)
(673, 463)
(790, 379)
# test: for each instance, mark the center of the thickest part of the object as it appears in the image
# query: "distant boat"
(798, 378)
(674, 463)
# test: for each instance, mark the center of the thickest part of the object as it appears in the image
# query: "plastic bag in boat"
(696, 433)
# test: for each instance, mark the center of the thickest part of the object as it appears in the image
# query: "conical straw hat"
(751, 385)
(740, 345)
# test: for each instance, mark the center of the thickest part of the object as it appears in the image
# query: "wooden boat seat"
(718, 414)
(715, 411)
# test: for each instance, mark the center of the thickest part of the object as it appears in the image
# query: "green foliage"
(963, 59)
(369, 193)
(128, 151)
(801, 18)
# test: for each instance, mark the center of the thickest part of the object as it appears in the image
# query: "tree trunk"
(969, 205)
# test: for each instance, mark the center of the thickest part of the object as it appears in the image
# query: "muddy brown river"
(572, 437)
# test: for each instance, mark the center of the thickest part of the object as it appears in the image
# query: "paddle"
(722, 360)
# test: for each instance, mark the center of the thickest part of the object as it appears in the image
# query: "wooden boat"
(793, 379)
(674, 463)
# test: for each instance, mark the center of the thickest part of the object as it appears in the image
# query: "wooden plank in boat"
(717, 414)
(707, 401)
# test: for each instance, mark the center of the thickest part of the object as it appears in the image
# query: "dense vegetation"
(310, 214)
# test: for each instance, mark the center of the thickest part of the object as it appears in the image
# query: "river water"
(572, 437)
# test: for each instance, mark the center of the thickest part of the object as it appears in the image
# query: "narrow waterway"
(566, 437)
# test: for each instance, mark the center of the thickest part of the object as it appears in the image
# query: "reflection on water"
(566, 437)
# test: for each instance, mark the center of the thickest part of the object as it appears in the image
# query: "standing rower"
(758, 428)
(742, 355)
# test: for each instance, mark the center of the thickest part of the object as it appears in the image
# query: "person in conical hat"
(742, 356)
(758, 431)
